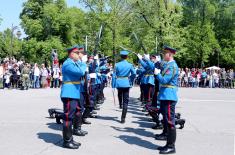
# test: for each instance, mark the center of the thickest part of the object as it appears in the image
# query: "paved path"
(25, 128)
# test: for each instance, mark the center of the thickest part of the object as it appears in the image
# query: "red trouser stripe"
(150, 90)
(67, 114)
(169, 113)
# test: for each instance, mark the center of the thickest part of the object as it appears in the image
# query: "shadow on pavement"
(138, 141)
(108, 118)
(138, 131)
(51, 138)
(54, 126)
(144, 124)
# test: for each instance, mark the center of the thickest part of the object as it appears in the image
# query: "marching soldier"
(70, 95)
(168, 78)
(123, 76)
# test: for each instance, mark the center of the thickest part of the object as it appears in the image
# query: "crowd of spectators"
(13, 75)
(206, 78)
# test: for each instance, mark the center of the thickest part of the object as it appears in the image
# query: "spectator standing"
(203, 78)
(230, 78)
(1, 76)
(215, 79)
(56, 76)
(44, 76)
(36, 74)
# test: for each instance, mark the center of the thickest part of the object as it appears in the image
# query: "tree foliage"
(203, 31)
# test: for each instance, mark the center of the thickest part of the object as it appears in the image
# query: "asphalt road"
(25, 128)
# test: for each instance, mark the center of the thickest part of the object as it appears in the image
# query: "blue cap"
(124, 52)
(168, 48)
(75, 47)
(81, 47)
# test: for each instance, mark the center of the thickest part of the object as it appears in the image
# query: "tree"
(201, 42)
(5, 44)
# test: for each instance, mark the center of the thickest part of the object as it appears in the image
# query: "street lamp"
(13, 28)
(18, 33)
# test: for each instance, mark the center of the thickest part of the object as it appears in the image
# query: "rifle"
(97, 43)
(140, 43)
(127, 50)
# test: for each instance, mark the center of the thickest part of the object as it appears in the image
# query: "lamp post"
(18, 33)
(13, 28)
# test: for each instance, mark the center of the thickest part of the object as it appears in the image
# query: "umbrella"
(213, 68)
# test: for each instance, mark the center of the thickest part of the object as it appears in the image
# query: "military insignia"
(167, 72)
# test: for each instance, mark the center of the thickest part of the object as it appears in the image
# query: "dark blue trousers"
(167, 108)
(123, 97)
(92, 95)
(72, 117)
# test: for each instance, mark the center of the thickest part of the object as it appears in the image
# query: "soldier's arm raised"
(75, 69)
(167, 77)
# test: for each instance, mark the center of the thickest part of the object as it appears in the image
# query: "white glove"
(92, 75)
(139, 56)
(98, 74)
(96, 57)
(157, 71)
(87, 69)
(84, 58)
(146, 56)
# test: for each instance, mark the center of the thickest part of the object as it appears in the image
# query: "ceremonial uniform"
(103, 71)
(70, 95)
(140, 71)
(168, 79)
(93, 69)
(123, 76)
(147, 79)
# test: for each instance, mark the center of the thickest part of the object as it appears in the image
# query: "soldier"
(103, 71)
(122, 78)
(148, 78)
(25, 77)
(140, 71)
(70, 95)
(94, 82)
(168, 78)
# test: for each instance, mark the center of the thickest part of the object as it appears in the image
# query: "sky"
(11, 9)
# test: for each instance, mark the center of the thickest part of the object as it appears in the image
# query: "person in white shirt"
(56, 76)
(1, 76)
(36, 74)
(216, 79)
(44, 76)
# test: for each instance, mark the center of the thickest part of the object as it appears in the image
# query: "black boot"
(68, 139)
(162, 136)
(180, 122)
(157, 126)
(170, 145)
(120, 106)
(177, 115)
(85, 121)
(123, 117)
(96, 108)
(94, 112)
(77, 123)
(79, 132)
(76, 143)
